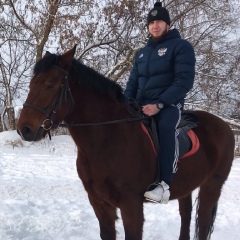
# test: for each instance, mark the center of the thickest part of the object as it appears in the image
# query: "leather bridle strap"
(63, 92)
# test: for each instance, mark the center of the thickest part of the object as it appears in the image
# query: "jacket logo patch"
(162, 51)
(141, 55)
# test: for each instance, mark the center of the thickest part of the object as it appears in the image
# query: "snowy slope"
(41, 197)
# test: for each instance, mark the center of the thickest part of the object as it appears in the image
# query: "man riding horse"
(162, 75)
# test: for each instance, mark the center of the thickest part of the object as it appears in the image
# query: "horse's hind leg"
(208, 200)
(131, 208)
(185, 210)
(107, 216)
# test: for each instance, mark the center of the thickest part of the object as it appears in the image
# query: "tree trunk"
(11, 118)
(1, 123)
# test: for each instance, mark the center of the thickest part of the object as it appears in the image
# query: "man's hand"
(150, 109)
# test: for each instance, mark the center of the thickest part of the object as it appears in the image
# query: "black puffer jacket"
(163, 71)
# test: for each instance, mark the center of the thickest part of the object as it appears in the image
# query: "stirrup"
(152, 186)
(151, 200)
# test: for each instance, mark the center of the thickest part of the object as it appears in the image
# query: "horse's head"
(49, 98)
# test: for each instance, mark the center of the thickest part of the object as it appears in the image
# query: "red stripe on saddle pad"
(195, 144)
(192, 136)
(146, 131)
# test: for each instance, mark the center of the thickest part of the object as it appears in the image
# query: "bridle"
(64, 92)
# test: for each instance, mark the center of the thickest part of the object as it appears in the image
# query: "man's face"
(158, 29)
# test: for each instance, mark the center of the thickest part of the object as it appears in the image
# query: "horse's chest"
(94, 181)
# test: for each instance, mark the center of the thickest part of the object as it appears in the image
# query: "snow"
(42, 198)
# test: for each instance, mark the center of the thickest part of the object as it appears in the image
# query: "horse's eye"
(50, 86)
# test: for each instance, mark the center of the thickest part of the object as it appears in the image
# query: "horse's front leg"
(107, 216)
(131, 207)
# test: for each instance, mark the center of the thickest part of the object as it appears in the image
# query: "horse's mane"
(84, 75)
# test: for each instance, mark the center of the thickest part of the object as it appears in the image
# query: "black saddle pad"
(188, 121)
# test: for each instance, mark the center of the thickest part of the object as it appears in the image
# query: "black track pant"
(167, 122)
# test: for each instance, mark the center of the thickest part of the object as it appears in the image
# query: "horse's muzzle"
(28, 134)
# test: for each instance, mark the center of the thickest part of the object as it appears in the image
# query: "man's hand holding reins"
(150, 109)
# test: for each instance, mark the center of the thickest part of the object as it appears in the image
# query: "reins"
(133, 108)
(100, 123)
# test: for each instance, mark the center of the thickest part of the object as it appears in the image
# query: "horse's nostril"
(26, 133)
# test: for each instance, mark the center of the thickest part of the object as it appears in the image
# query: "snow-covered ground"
(42, 198)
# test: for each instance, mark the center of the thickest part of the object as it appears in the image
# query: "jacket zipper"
(148, 72)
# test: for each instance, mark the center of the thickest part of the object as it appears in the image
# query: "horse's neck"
(91, 106)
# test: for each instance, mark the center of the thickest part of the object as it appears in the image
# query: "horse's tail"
(211, 227)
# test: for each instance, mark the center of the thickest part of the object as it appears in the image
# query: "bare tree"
(13, 65)
(108, 35)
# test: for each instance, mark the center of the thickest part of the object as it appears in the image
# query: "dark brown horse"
(116, 162)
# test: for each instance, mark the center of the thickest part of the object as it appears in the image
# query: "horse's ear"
(47, 53)
(66, 59)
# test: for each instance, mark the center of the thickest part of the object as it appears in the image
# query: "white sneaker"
(159, 194)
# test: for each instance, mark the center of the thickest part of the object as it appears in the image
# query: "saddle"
(188, 141)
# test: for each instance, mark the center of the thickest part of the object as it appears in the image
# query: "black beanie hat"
(158, 13)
